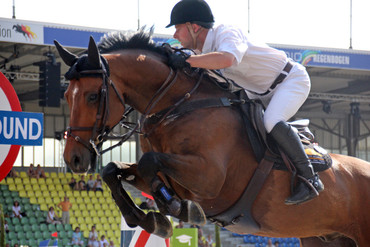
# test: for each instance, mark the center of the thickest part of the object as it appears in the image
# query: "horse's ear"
(68, 57)
(93, 54)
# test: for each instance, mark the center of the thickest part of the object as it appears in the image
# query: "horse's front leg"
(148, 167)
(116, 172)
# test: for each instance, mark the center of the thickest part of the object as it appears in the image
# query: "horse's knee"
(148, 165)
(110, 172)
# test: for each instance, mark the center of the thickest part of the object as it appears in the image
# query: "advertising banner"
(185, 237)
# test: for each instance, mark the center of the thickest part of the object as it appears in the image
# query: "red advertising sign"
(8, 102)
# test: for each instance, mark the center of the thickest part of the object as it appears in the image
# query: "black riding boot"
(309, 185)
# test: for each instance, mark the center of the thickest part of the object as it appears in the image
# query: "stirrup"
(306, 190)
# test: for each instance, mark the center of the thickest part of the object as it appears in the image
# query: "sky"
(316, 23)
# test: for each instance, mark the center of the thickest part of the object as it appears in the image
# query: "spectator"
(7, 245)
(51, 217)
(31, 172)
(93, 238)
(17, 210)
(76, 237)
(111, 244)
(277, 243)
(209, 241)
(180, 225)
(98, 184)
(40, 172)
(12, 174)
(65, 205)
(73, 184)
(6, 226)
(103, 241)
(90, 183)
(269, 243)
(201, 238)
(16, 245)
(82, 183)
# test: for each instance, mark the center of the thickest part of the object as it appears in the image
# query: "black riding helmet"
(194, 11)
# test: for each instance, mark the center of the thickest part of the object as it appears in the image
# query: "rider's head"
(193, 11)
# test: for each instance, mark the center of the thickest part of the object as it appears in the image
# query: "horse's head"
(93, 112)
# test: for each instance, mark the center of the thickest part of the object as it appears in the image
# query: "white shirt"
(257, 65)
(17, 210)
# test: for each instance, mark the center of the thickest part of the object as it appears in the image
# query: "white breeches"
(285, 100)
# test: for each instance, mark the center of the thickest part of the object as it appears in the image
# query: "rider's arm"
(212, 60)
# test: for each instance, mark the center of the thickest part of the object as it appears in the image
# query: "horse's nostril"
(76, 161)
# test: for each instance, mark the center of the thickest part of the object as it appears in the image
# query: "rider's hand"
(178, 60)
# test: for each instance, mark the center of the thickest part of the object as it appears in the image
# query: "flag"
(44, 243)
(48, 243)
(147, 195)
(54, 234)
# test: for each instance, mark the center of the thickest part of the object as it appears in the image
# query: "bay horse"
(197, 162)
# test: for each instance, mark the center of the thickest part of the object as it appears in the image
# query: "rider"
(264, 72)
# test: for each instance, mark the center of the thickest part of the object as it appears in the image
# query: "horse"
(197, 161)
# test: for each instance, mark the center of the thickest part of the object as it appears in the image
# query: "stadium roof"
(339, 76)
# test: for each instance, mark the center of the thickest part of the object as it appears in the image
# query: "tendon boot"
(309, 184)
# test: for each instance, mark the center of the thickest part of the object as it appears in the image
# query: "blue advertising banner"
(320, 58)
(21, 128)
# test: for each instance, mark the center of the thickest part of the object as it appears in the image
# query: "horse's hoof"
(192, 213)
(161, 226)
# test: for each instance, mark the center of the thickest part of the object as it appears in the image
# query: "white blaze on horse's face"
(141, 58)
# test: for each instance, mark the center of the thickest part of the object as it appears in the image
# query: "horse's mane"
(129, 40)
(143, 40)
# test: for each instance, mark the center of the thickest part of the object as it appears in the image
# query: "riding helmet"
(195, 11)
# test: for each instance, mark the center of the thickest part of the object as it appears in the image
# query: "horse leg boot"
(309, 185)
(185, 210)
(152, 222)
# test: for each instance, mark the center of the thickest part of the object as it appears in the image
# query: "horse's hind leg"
(152, 222)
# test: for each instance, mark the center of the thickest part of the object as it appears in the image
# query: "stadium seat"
(15, 221)
(82, 207)
(20, 187)
(38, 192)
(35, 227)
(23, 175)
(46, 235)
(67, 227)
(50, 181)
(12, 187)
(38, 234)
(21, 235)
(29, 235)
(33, 181)
(10, 181)
(41, 181)
(32, 243)
(90, 207)
(53, 175)
(51, 228)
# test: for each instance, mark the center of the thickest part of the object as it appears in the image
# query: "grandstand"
(37, 195)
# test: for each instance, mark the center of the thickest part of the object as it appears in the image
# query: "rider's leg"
(282, 104)
(309, 185)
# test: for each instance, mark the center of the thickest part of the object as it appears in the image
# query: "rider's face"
(182, 34)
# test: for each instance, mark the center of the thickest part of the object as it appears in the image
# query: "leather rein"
(102, 115)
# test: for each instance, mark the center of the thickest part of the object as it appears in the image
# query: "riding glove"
(178, 60)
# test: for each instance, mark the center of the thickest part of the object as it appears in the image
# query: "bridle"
(103, 131)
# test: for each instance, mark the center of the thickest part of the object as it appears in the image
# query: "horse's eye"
(93, 98)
